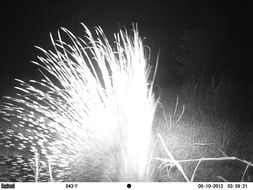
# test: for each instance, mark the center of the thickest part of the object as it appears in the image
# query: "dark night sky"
(225, 31)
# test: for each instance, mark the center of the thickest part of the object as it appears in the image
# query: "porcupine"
(90, 117)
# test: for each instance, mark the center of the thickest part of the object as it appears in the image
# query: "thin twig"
(193, 174)
(173, 160)
(244, 173)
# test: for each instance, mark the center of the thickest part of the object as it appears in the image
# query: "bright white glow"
(106, 100)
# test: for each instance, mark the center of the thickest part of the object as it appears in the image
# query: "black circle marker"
(129, 185)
